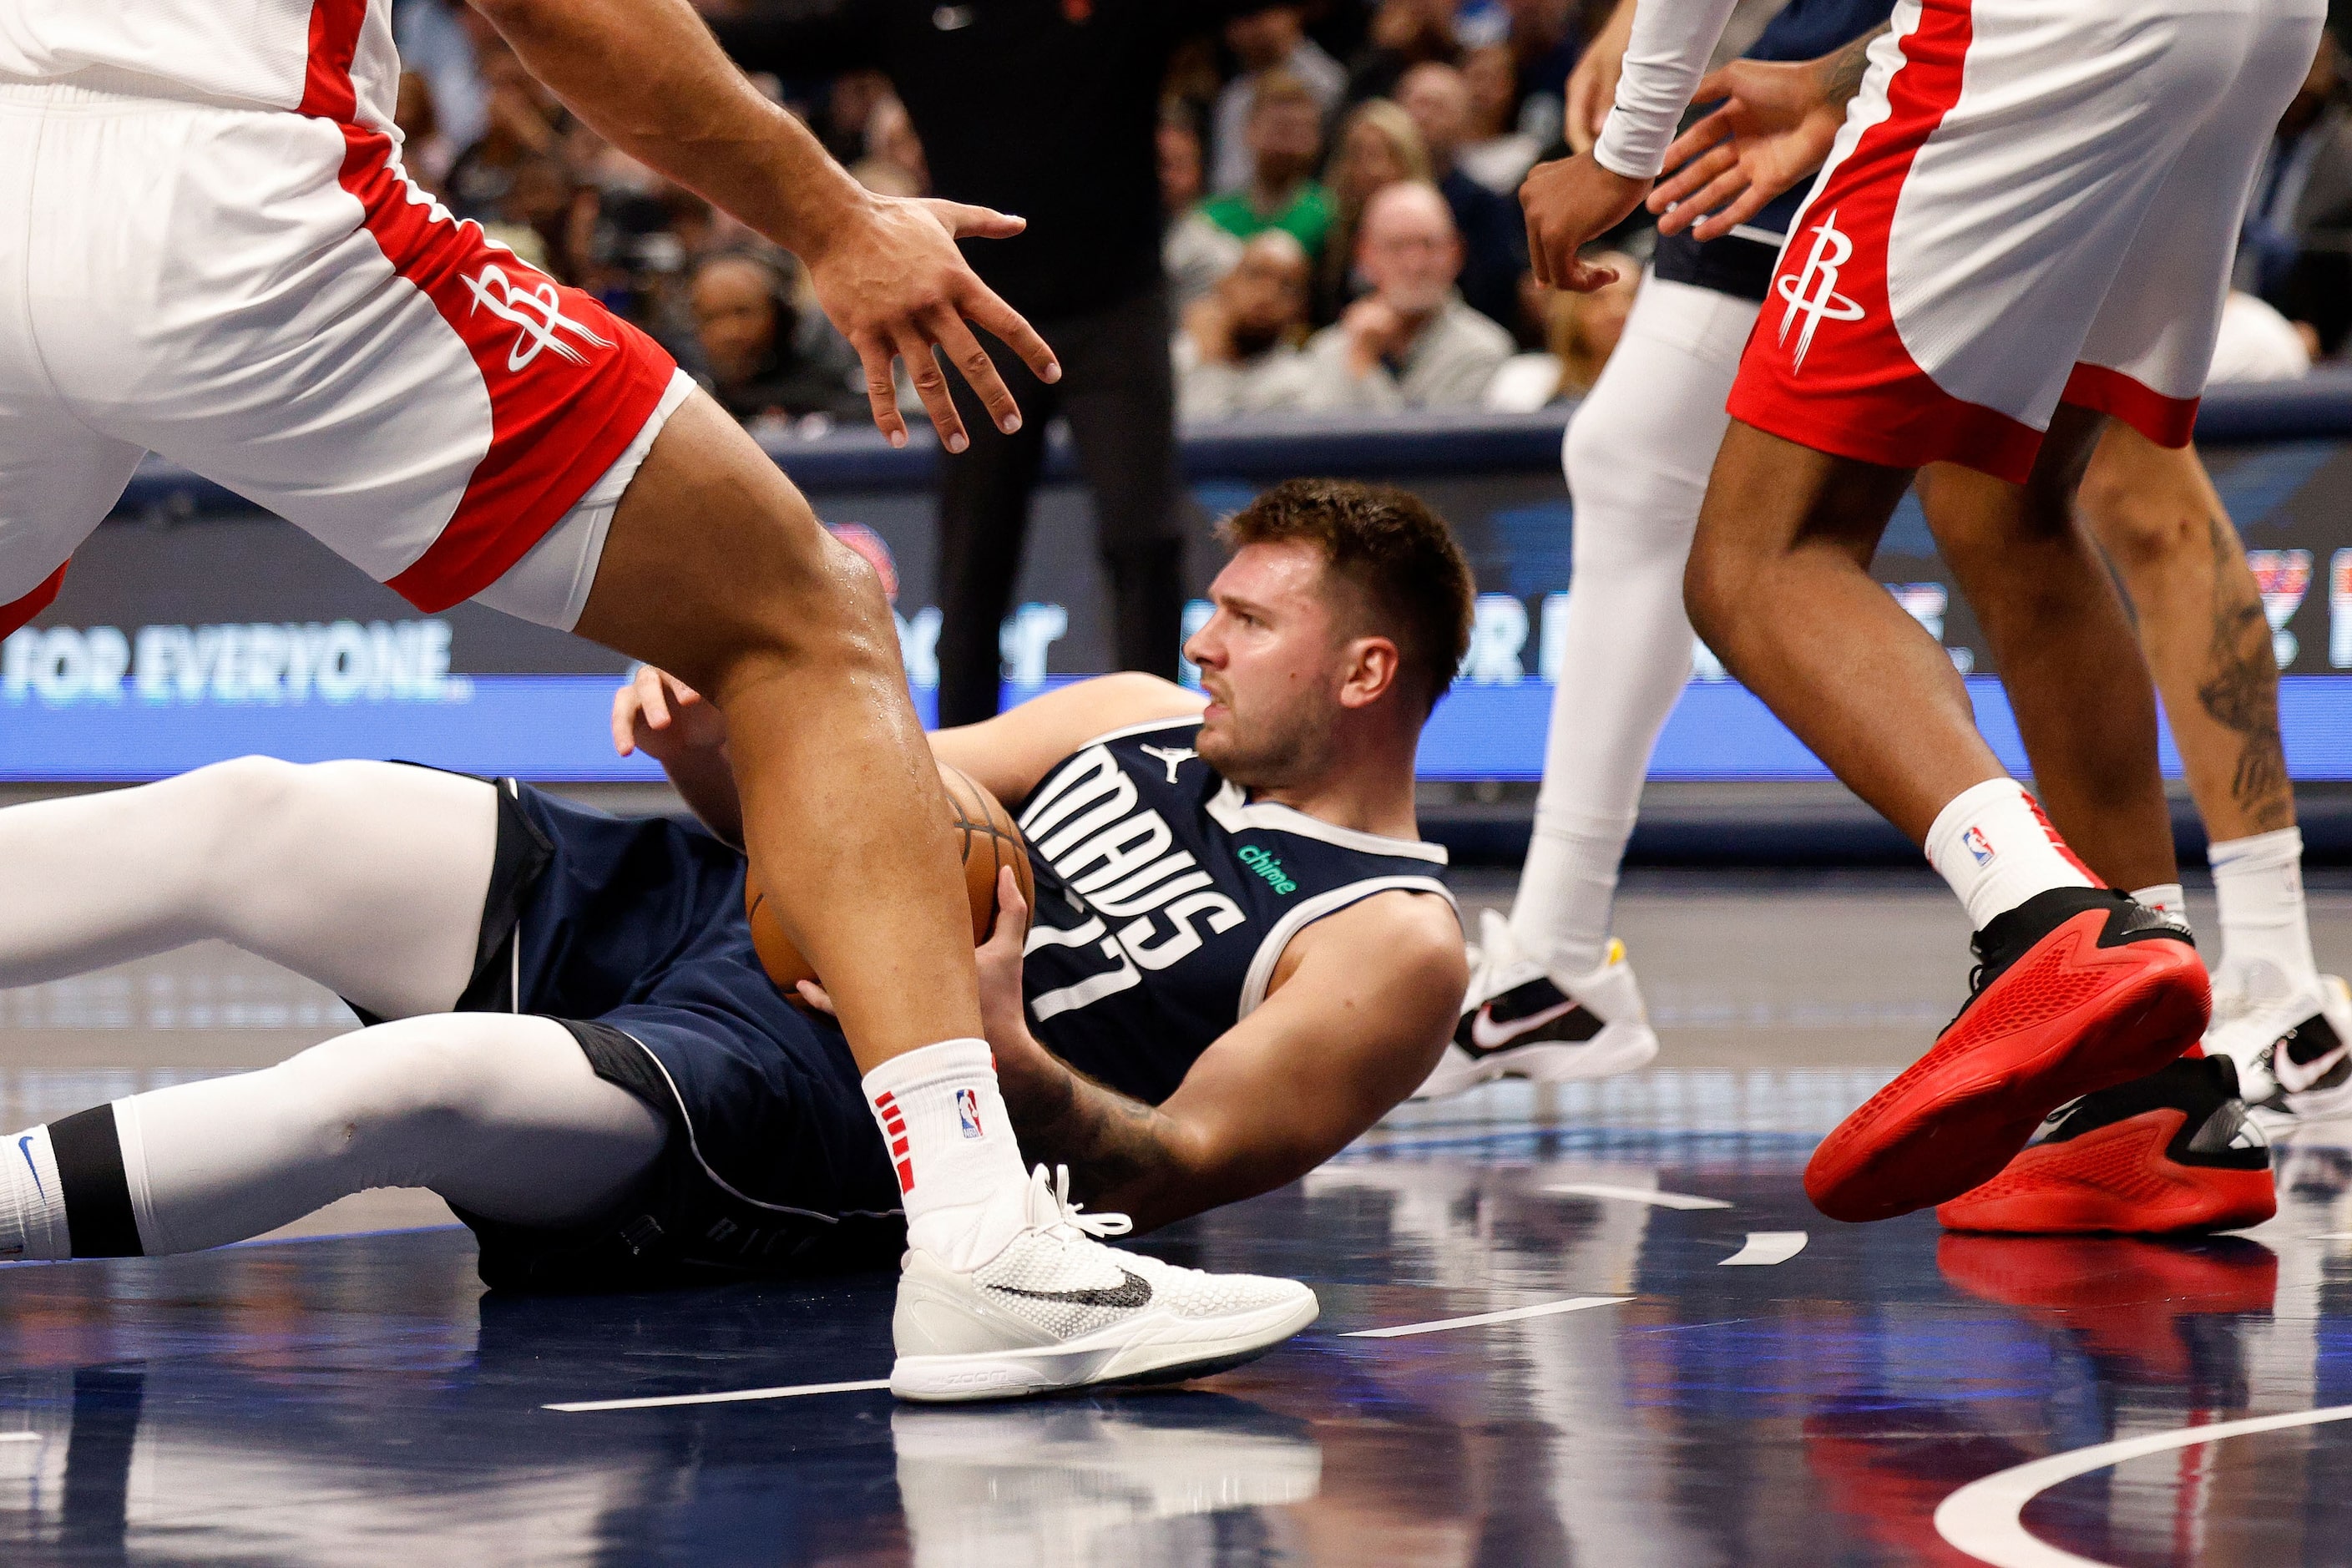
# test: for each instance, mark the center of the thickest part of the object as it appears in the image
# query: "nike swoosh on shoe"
(1489, 1036)
(1132, 1290)
(2295, 1074)
(1487, 1033)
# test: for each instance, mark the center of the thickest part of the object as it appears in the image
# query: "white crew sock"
(2166, 899)
(2259, 881)
(959, 1170)
(32, 1200)
(1992, 844)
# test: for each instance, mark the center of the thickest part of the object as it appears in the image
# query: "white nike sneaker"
(1056, 1309)
(2293, 1047)
(1518, 1020)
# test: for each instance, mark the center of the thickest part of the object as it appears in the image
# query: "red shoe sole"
(2066, 1018)
(2117, 1179)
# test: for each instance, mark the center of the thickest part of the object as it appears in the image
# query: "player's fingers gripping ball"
(987, 840)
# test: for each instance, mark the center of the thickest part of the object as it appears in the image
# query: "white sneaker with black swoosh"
(2293, 1045)
(1518, 1020)
(1056, 1309)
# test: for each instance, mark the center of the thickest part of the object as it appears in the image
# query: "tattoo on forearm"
(1849, 65)
(2240, 693)
(1109, 1141)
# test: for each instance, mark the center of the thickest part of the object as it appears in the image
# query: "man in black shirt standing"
(1047, 108)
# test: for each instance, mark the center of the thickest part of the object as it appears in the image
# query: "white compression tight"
(368, 877)
(1637, 456)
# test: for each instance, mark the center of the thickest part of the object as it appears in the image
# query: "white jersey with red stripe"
(252, 53)
(2031, 202)
(227, 264)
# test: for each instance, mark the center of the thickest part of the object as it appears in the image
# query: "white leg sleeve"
(1637, 455)
(499, 1114)
(368, 877)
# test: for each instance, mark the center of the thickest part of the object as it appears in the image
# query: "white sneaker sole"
(1549, 1061)
(1155, 1347)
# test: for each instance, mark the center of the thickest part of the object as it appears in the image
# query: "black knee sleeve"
(88, 1153)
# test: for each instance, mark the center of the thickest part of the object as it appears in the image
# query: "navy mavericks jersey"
(1740, 263)
(1165, 898)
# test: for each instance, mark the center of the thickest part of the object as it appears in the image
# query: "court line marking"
(1766, 1248)
(1983, 1517)
(1541, 1309)
(576, 1406)
(19, 1436)
(1637, 1196)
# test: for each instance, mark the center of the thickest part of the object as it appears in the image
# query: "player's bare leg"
(2157, 513)
(2078, 987)
(1779, 587)
(716, 570)
(2063, 645)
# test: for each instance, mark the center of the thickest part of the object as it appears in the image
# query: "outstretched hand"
(1773, 126)
(893, 281)
(1569, 203)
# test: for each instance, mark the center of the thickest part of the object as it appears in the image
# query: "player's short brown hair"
(1399, 554)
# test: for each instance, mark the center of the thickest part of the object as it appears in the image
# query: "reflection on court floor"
(362, 1401)
(1534, 1348)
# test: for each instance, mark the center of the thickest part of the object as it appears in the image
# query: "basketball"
(988, 841)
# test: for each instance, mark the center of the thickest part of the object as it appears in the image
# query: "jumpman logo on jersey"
(1171, 757)
(1813, 293)
(494, 292)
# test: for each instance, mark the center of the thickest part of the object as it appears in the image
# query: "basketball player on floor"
(208, 248)
(1976, 281)
(1241, 957)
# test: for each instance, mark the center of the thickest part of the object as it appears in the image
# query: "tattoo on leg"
(2240, 693)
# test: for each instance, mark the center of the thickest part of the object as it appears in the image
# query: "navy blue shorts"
(631, 933)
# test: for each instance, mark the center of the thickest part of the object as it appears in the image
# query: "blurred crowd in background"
(1298, 276)
(1234, 210)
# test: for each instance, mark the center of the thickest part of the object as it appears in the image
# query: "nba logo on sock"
(1979, 845)
(968, 1111)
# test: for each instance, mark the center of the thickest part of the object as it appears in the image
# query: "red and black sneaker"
(2076, 989)
(2172, 1151)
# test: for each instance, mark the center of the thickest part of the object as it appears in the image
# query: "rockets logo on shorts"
(1978, 845)
(1813, 293)
(536, 310)
(968, 1111)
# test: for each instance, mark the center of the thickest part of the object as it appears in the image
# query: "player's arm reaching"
(1361, 1007)
(647, 75)
(1773, 126)
(657, 713)
(1573, 201)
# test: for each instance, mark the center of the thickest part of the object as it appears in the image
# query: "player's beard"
(1270, 744)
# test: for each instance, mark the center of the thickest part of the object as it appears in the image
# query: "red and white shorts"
(264, 298)
(2031, 202)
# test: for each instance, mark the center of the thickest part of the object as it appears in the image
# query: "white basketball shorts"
(2031, 202)
(263, 297)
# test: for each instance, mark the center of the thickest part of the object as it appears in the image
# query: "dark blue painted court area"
(1714, 1375)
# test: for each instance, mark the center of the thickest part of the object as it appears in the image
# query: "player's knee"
(2139, 530)
(394, 1080)
(1711, 592)
(1631, 507)
(830, 612)
(243, 788)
